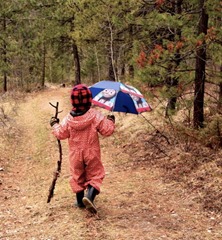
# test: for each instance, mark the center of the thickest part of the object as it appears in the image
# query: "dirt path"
(134, 202)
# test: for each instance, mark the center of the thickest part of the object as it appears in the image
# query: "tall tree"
(200, 72)
(75, 54)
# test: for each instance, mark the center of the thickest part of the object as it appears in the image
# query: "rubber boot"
(89, 198)
(79, 198)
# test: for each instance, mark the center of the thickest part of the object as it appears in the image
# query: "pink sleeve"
(61, 131)
(106, 127)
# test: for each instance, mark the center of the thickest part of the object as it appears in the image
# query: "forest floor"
(151, 190)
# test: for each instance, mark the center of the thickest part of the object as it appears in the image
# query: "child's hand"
(53, 121)
(111, 117)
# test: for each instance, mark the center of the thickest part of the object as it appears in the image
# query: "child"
(81, 126)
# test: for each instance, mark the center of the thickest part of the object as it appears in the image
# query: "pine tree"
(200, 72)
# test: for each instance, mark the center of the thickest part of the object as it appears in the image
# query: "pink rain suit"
(84, 148)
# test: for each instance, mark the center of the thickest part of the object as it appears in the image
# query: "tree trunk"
(219, 105)
(131, 71)
(97, 63)
(171, 104)
(130, 66)
(5, 80)
(76, 63)
(43, 65)
(173, 82)
(75, 56)
(198, 115)
(112, 72)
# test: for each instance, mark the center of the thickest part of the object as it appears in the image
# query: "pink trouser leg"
(87, 172)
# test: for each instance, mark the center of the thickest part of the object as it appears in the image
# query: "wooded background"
(172, 47)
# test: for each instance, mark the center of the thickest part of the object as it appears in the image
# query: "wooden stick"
(59, 162)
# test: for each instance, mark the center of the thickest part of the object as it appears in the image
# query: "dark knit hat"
(81, 98)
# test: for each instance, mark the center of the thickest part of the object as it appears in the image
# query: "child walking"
(81, 127)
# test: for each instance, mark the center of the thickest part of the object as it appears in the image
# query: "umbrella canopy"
(118, 97)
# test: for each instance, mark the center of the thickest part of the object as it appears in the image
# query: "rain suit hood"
(82, 121)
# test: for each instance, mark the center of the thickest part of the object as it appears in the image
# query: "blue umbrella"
(118, 97)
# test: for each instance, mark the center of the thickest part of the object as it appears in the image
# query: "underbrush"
(183, 155)
(9, 130)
